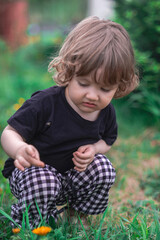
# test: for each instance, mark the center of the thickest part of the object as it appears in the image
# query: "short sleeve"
(28, 120)
(111, 128)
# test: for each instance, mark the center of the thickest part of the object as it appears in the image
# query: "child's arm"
(85, 154)
(25, 155)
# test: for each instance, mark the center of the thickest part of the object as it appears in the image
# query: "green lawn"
(133, 212)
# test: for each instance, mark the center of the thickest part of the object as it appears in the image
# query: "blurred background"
(32, 31)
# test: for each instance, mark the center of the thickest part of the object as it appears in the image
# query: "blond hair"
(97, 44)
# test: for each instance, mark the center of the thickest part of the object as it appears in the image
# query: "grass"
(111, 225)
(131, 215)
(151, 184)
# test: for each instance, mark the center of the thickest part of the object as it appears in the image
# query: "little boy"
(57, 140)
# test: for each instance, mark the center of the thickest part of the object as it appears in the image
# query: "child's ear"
(116, 95)
(121, 93)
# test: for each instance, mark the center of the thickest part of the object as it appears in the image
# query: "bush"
(142, 20)
(24, 72)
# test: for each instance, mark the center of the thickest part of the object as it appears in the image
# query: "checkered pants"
(85, 191)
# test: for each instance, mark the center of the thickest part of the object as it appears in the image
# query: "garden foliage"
(142, 21)
(57, 12)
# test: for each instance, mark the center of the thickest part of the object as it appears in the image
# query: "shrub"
(24, 72)
(142, 21)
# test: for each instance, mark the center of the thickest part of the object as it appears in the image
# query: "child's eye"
(105, 90)
(83, 84)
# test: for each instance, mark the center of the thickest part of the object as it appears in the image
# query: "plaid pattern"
(86, 191)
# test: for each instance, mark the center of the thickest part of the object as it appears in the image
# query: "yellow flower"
(42, 230)
(19, 104)
(16, 230)
(21, 101)
(16, 106)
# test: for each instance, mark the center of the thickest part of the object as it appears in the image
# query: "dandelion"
(42, 230)
(16, 230)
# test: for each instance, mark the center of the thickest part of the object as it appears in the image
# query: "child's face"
(86, 96)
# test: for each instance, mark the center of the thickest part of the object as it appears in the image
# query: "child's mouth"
(88, 104)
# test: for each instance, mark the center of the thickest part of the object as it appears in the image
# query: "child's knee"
(104, 170)
(40, 183)
(100, 172)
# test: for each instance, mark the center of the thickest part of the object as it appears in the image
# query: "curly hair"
(97, 44)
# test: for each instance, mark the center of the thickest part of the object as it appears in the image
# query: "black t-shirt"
(48, 122)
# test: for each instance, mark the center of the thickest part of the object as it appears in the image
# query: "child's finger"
(79, 169)
(21, 163)
(81, 161)
(18, 165)
(37, 155)
(36, 162)
(34, 156)
(82, 149)
(82, 156)
(31, 151)
(79, 165)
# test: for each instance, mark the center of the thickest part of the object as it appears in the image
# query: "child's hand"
(83, 157)
(26, 156)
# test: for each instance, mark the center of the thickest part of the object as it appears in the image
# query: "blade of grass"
(98, 235)
(118, 236)
(144, 229)
(107, 232)
(27, 221)
(1, 200)
(157, 224)
(39, 212)
(133, 224)
(7, 216)
(83, 228)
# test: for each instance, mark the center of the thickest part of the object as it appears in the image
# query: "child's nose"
(92, 95)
